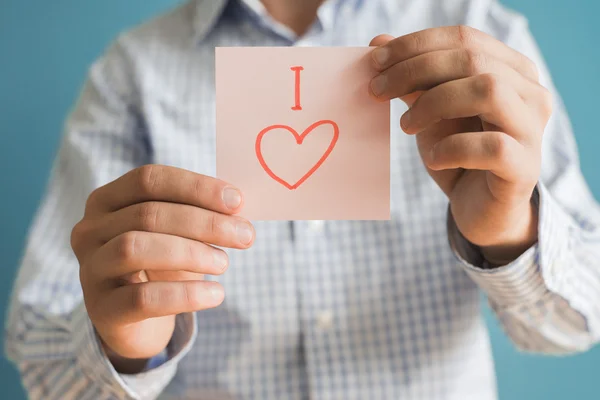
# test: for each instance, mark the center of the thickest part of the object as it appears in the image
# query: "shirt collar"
(208, 13)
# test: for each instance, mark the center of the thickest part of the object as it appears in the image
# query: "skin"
(298, 15)
(144, 245)
(477, 110)
(478, 113)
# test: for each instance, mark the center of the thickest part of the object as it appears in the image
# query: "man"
(314, 309)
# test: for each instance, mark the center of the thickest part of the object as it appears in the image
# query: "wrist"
(517, 240)
(122, 364)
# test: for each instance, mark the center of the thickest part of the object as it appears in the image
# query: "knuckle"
(147, 216)
(441, 95)
(190, 250)
(75, 236)
(547, 101)
(466, 35)
(200, 188)
(79, 235)
(489, 87)
(142, 298)
(92, 200)
(531, 67)
(411, 71)
(417, 42)
(497, 146)
(128, 246)
(192, 296)
(213, 224)
(148, 177)
(475, 62)
(196, 255)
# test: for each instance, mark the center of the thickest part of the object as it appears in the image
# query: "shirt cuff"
(93, 361)
(532, 276)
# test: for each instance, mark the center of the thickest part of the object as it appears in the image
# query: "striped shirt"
(316, 309)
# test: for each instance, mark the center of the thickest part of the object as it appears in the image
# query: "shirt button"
(317, 226)
(325, 320)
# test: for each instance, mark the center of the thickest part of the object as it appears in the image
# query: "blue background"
(47, 46)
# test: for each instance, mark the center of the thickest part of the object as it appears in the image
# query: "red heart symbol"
(299, 140)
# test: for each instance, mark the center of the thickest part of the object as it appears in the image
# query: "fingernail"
(244, 233)
(378, 85)
(232, 198)
(216, 292)
(381, 55)
(220, 259)
(405, 120)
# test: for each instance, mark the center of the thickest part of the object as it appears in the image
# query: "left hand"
(478, 113)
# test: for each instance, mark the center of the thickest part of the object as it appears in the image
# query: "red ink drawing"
(297, 105)
(299, 140)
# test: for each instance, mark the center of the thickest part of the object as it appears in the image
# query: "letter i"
(297, 105)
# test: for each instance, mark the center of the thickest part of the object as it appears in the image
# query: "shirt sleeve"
(49, 334)
(548, 300)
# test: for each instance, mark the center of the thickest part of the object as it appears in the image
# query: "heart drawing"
(299, 139)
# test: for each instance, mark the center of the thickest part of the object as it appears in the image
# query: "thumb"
(380, 40)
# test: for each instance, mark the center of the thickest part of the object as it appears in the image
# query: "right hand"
(143, 247)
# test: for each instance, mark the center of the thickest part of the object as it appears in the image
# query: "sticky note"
(299, 134)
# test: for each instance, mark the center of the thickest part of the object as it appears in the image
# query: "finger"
(134, 303)
(168, 184)
(178, 220)
(486, 96)
(428, 70)
(490, 151)
(144, 251)
(380, 40)
(447, 38)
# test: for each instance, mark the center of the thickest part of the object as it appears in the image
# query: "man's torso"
(318, 309)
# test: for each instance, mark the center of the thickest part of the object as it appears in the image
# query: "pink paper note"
(299, 134)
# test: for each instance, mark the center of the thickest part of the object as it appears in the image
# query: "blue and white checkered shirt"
(316, 309)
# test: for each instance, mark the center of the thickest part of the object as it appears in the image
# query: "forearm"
(58, 358)
(547, 297)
